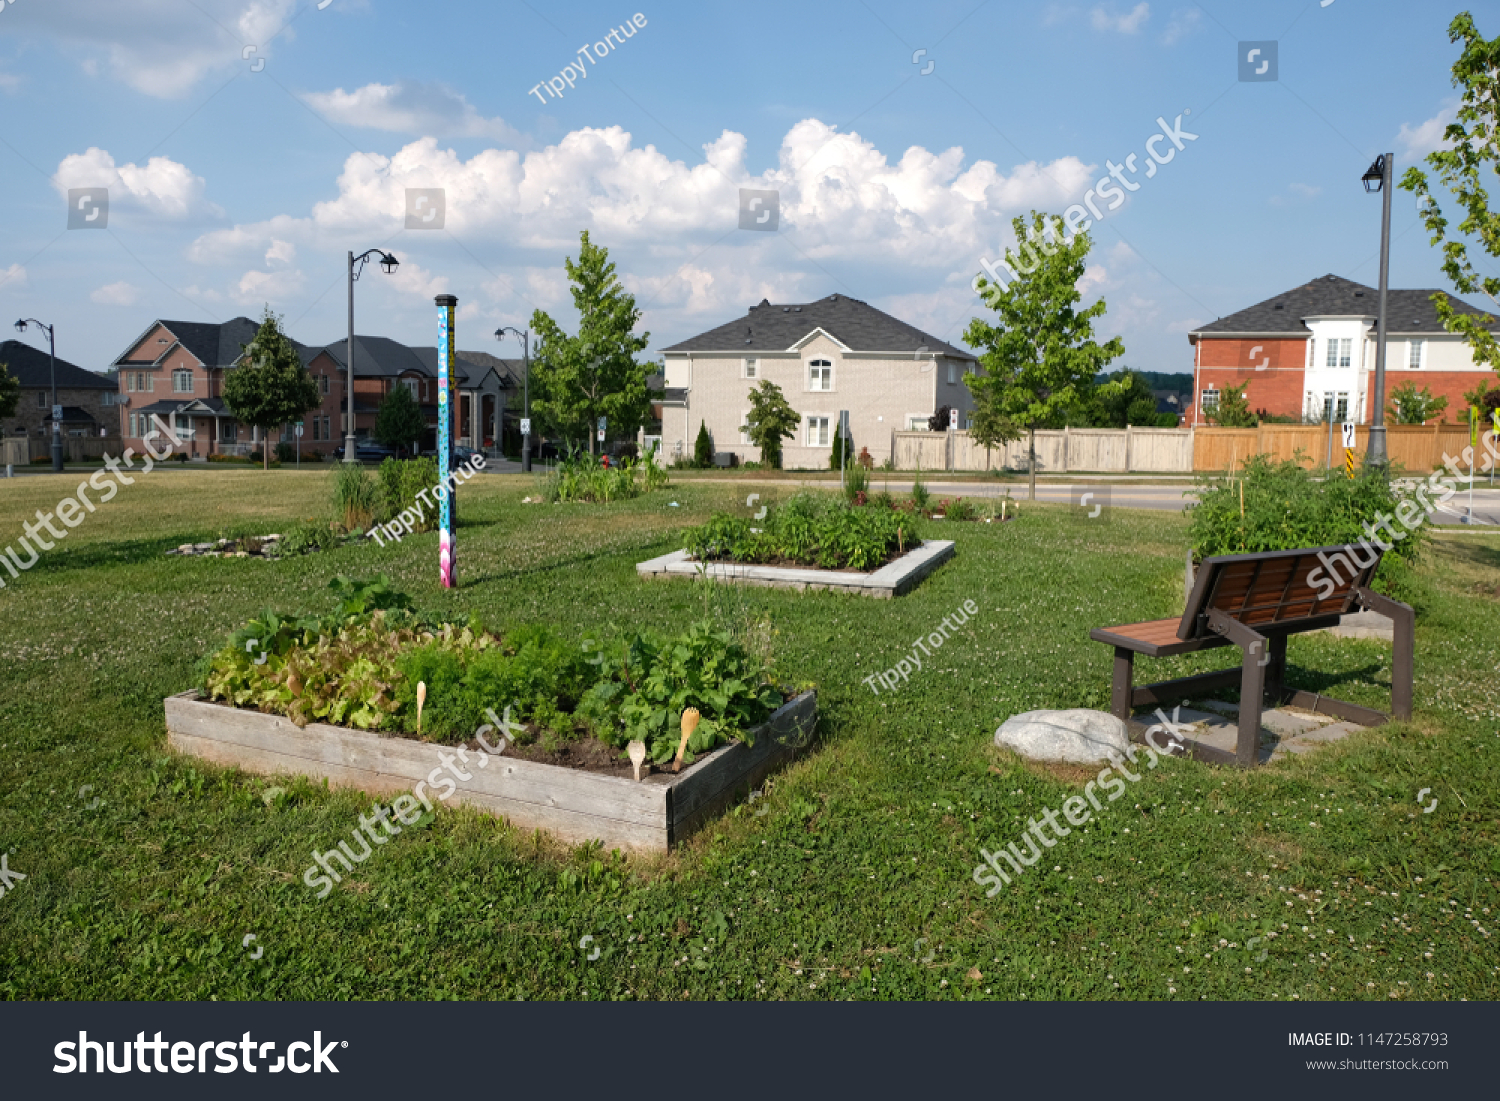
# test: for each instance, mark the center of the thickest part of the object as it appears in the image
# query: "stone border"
(653, 815)
(891, 580)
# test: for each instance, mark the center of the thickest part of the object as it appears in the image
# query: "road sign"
(601, 435)
(525, 426)
(603, 423)
(1348, 427)
(299, 430)
(57, 412)
(1349, 461)
(953, 418)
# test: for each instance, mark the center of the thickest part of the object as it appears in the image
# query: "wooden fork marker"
(690, 719)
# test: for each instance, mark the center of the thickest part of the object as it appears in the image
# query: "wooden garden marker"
(637, 751)
(689, 724)
(421, 699)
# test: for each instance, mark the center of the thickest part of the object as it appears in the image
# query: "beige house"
(834, 354)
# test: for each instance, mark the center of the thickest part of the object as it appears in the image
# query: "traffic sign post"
(1349, 430)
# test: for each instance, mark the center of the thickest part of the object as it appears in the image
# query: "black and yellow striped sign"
(1349, 461)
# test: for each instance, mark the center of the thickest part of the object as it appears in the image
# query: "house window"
(411, 385)
(184, 428)
(817, 432)
(323, 379)
(917, 423)
(1339, 352)
(41, 399)
(182, 382)
(1335, 406)
(820, 375)
(1414, 353)
(1311, 345)
(752, 368)
(1209, 400)
(952, 373)
(745, 427)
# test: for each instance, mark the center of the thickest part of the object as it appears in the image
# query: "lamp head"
(20, 326)
(388, 263)
(1374, 176)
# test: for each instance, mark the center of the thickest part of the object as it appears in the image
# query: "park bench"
(1255, 601)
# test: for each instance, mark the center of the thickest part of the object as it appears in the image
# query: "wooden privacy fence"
(1120, 450)
(1418, 448)
(76, 449)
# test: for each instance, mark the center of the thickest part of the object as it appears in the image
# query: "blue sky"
(232, 186)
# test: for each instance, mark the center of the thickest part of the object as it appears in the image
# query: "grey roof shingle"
(214, 345)
(1334, 296)
(775, 328)
(382, 357)
(30, 367)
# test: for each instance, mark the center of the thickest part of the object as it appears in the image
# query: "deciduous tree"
(270, 386)
(770, 421)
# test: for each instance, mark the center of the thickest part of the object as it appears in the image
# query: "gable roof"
(857, 325)
(382, 357)
(1335, 296)
(212, 344)
(31, 367)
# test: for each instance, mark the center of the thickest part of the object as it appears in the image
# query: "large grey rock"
(1078, 735)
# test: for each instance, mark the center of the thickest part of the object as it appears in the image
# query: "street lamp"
(388, 264)
(1378, 178)
(526, 409)
(57, 463)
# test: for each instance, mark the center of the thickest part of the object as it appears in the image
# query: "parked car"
(366, 452)
(464, 456)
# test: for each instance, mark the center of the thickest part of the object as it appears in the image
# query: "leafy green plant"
(856, 481)
(920, 496)
(1286, 508)
(703, 447)
(808, 530)
(650, 679)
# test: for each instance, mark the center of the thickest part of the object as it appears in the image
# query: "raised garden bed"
(891, 580)
(575, 804)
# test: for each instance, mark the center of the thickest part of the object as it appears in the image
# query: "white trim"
(797, 347)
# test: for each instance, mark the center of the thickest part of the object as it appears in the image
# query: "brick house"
(1310, 352)
(837, 353)
(175, 370)
(87, 398)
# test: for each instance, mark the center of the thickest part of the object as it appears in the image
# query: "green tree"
(1408, 405)
(1129, 401)
(703, 448)
(1233, 409)
(1462, 169)
(1040, 358)
(577, 379)
(399, 422)
(10, 392)
(770, 421)
(270, 386)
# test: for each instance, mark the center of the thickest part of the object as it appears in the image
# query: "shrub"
(957, 509)
(836, 454)
(286, 452)
(401, 483)
(807, 530)
(302, 539)
(356, 496)
(1286, 508)
(703, 447)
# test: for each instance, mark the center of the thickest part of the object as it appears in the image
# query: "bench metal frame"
(1272, 606)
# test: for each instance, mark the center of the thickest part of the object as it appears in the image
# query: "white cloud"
(9, 82)
(410, 107)
(1129, 23)
(1417, 141)
(13, 278)
(117, 294)
(161, 48)
(1184, 21)
(162, 187)
(281, 252)
(277, 288)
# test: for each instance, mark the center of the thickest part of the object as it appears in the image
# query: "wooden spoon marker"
(690, 719)
(637, 751)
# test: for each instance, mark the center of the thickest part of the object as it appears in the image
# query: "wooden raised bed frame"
(650, 816)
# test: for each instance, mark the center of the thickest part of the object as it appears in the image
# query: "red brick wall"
(1275, 373)
(1448, 384)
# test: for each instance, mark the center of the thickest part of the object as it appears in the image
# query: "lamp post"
(526, 384)
(1378, 178)
(388, 264)
(57, 462)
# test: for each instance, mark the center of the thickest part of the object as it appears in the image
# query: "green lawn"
(852, 879)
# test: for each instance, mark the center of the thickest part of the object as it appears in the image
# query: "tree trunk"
(1032, 463)
(265, 451)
